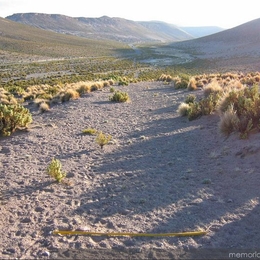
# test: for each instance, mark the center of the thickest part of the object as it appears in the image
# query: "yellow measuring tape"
(86, 233)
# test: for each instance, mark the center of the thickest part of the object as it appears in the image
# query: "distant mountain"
(168, 31)
(238, 46)
(197, 32)
(104, 28)
(98, 28)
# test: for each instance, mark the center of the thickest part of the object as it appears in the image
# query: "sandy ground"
(161, 173)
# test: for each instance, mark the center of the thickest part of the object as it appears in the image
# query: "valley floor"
(160, 174)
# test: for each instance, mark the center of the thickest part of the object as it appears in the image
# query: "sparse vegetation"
(13, 117)
(237, 104)
(44, 107)
(103, 139)
(54, 170)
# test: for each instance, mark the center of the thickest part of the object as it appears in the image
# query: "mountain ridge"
(105, 27)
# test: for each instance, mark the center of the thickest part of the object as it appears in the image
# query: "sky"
(222, 13)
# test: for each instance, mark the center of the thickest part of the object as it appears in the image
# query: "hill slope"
(27, 40)
(202, 31)
(236, 47)
(103, 28)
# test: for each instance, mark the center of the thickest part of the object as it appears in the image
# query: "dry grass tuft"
(183, 109)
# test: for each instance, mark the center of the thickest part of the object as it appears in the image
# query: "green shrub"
(13, 117)
(103, 139)
(120, 97)
(181, 83)
(54, 170)
(246, 104)
(112, 90)
(194, 111)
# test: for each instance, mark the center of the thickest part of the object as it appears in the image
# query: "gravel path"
(161, 173)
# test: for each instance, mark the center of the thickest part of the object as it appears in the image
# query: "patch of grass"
(54, 170)
(69, 94)
(183, 109)
(212, 88)
(228, 121)
(192, 85)
(44, 107)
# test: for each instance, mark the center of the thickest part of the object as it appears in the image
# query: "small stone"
(26, 220)
(39, 209)
(103, 244)
(83, 228)
(46, 253)
(11, 250)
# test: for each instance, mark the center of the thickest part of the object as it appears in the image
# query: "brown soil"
(160, 174)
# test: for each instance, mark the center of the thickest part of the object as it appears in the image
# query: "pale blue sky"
(223, 13)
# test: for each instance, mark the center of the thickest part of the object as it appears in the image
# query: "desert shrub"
(13, 117)
(44, 96)
(181, 82)
(102, 139)
(89, 131)
(44, 107)
(192, 84)
(94, 87)
(163, 77)
(120, 97)
(246, 103)
(194, 111)
(169, 78)
(228, 99)
(183, 109)
(84, 88)
(69, 94)
(190, 99)
(212, 88)
(208, 105)
(106, 83)
(229, 121)
(111, 82)
(112, 90)
(29, 96)
(54, 170)
(123, 82)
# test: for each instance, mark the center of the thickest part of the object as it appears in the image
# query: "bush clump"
(245, 103)
(120, 97)
(13, 117)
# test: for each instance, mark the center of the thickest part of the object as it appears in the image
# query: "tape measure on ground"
(116, 234)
